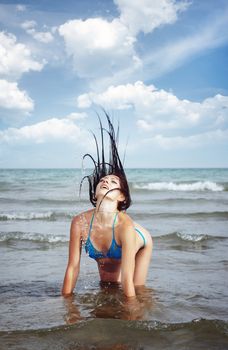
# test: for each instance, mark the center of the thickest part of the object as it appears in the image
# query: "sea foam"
(172, 186)
(49, 216)
(33, 237)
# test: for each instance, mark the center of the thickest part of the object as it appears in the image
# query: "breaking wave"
(172, 186)
(50, 216)
(6, 237)
(32, 237)
(120, 334)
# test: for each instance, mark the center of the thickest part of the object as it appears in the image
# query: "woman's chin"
(101, 197)
(102, 192)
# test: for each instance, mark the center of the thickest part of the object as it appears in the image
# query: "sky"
(158, 67)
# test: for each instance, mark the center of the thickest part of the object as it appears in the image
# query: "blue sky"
(159, 67)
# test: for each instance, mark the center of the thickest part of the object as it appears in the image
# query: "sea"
(184, 304)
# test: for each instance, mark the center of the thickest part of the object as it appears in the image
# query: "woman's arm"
(73, 266)
(128, 242)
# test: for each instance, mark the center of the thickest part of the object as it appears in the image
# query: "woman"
(121, 247)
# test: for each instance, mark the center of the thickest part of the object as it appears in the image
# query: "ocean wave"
(62, 216)
(223, 215)
(50, 216)
(215, 324)
(196, 323)
(188, 237)
(215, 215)
(45, 201)
(191, 237)
(172, 186)
(196, 334)
(52, 239)
(6, 237)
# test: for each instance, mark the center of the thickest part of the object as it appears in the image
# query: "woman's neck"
(105, 212)
(106, 205)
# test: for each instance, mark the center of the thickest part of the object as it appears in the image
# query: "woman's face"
(107, 183)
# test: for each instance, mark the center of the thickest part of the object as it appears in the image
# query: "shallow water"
(183, 306)
(116, 334)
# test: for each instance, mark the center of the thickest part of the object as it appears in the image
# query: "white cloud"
(43, 37)
(193, 141)
(76, 116)
(160, 112)
(28, 24)
(98, 47)
(46, 131)
(117, 97)
(12, 98)
(146, 15)
(21, 8)
(154, 63)
(170, 115)
(15, 58)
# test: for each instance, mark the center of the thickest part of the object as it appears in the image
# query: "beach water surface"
(184, 304)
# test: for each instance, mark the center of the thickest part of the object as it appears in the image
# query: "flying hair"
(103, 168)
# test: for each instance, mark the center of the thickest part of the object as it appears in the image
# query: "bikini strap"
(91, 224)
(113, 225)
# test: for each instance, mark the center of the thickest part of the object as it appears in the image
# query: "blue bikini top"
(114, 252)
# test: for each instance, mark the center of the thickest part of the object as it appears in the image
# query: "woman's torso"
(103, 242)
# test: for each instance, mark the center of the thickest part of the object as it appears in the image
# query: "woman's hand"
(133, 310)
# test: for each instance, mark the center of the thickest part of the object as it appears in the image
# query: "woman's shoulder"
(125, 221)
(80, 223)
(82, 217)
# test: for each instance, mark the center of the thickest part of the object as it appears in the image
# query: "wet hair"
(103, 168)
